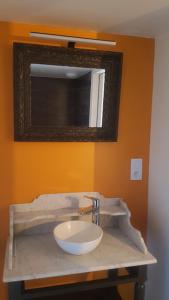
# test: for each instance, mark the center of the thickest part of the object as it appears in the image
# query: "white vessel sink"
(78, 237)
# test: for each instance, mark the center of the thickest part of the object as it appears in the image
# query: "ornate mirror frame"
(27, 54)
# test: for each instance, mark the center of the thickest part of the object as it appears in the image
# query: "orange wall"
(29, 169)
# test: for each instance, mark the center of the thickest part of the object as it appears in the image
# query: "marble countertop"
(38, 256)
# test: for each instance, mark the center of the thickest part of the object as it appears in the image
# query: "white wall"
(158, 216)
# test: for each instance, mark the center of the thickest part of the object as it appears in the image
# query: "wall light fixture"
(71, 39)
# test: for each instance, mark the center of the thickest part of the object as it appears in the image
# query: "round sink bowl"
(78, 237)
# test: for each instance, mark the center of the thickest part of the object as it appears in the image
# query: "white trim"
(96, 98)
(94, 93)
(100, 99)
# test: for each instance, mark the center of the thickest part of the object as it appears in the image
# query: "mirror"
(65, 94)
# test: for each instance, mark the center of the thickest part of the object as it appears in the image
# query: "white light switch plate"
(136, 169)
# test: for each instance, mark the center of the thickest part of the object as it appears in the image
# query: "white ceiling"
(134, 17)
(52, 71)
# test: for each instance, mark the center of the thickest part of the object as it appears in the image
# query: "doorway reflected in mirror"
(66, 96)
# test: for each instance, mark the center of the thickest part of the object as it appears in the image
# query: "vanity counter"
(39, 256)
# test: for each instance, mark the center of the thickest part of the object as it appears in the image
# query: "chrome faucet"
(94, 209)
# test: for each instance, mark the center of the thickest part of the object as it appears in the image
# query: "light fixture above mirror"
(71, 39)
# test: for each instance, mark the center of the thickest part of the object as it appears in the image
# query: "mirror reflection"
(64, 96)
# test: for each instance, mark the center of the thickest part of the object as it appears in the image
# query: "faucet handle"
(85, 210)
(96, 201)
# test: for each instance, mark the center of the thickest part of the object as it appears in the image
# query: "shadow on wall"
(6, 145)
(112, 160)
